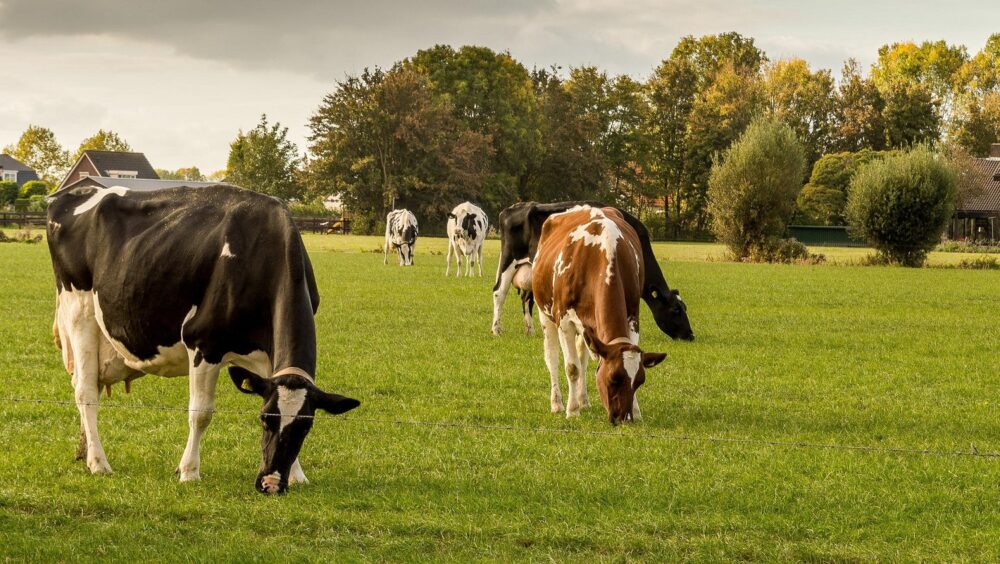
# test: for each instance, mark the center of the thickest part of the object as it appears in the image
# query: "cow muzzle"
(272, 483)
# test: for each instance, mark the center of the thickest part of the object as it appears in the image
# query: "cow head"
(290, 401)
(621, 371)
(406, 247)
(670, 314)
(469, 226)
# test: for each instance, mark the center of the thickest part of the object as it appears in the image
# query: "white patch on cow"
(560, 267)
(632, 361)
(633, 331)
(100, 194)
(571, 317)
(289, 404)
(257, 362)
(226, 252)
(606, 239)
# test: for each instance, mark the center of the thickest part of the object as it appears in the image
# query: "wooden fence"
(322, 224)
(22, 219)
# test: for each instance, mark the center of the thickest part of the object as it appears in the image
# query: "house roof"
(106, 161)
(138, 184)
(986, 174)
(8, 162)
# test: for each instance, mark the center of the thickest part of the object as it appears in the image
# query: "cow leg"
(201, 405)
(451, 246)
(295, 475)
(481, 260)
(636, 414)
(81, 447)
(84, 336)
(385, 251)
(583, 353)
(468, 265)
(505, 274)
(551, 333)
(527, 301)
(567, 340)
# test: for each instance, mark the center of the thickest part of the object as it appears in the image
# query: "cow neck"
(293, 327)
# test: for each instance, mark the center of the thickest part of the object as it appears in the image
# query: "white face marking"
(226, 251)
(633, 331)
(632, 360)
(99, 195)
(289, 404)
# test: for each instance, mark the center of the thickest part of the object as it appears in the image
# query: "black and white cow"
(520, 229)
(400, 233)
(467, 226)
(185, 281)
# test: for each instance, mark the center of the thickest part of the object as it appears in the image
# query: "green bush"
(8, 193)
(824, 197)
(37, 203)
(310, 209)
(34, 188)
(902, 204)
(752, 191)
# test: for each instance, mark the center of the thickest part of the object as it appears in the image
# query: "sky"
(178, 79)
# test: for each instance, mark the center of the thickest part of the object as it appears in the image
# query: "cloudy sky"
(179, 78)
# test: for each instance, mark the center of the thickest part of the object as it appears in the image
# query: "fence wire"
(973, 452)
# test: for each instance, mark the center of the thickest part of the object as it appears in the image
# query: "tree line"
(449, 124)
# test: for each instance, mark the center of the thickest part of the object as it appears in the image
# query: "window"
(10, 176)
(123, 173)
(84, 174)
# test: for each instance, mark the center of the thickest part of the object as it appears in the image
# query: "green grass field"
(863, 356)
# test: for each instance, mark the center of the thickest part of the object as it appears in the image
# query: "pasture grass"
(866, 356)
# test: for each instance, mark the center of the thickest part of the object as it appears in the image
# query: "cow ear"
(333, 403)
(595, 343)
(451, 215)
(651, 359)
(250, 383)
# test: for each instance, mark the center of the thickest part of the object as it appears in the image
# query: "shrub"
(786, 251)
(34, 188)
(37, 203)
(980, 263)
(310, 209)
(752, 191)
(901, 205)
(8, 193)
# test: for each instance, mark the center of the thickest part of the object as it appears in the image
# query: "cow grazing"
(587, 280)
(467, 226)
(401, 234)
(520, 228)
(185, 281)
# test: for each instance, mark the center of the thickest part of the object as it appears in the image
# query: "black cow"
(184, 281)
(520, 228)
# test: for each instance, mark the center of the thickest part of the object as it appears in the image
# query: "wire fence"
(973, 452)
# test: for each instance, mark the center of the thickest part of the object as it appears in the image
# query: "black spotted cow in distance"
(467, 226)
(520, 228)
(400, 234)
(185, 281)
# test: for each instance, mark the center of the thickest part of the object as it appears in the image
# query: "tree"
(264, 160)
(822, 200)
(911, 115)
(901, 204)
(858, 106)
(103, 141)
(189, 173)
(752, 190)
(804, 100)
(697, 109)
(977, 123)
(37, 147)
(384, 139)
(492, 94)
(34, 188)
(718, 117)
(9, 191)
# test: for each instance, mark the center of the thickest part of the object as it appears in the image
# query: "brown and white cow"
(587, 282)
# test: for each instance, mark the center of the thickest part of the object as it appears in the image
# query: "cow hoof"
(300, 479)
(99, 466)
(189, 475)
(496, 330)
(572, 412)
(529, 332)
(557, 408)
